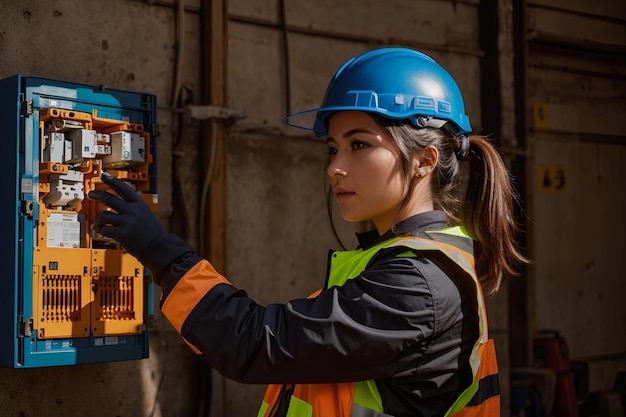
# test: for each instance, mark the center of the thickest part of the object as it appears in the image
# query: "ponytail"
(489, 217)
(487, 210)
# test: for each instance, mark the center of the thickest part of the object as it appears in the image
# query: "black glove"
(135, 227)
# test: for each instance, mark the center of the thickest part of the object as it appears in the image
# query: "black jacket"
(403, 322)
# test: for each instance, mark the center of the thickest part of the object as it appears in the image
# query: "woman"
(399, 328)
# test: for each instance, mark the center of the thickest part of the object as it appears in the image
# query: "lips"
(342, 194)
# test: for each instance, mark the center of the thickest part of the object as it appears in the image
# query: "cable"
(205, 188)
(180, 51)
(285, 39)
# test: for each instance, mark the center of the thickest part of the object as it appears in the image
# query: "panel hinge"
(25, 328)
(26, 108)
(28, 208)
(147, 101)
(154, 130)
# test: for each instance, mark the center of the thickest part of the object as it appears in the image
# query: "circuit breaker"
(69, 295)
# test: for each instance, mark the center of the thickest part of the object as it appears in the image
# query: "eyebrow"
(350, 133)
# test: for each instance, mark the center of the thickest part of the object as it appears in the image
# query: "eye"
(357, 145)
(331, 150)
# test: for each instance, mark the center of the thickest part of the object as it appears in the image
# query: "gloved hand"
(135, 227)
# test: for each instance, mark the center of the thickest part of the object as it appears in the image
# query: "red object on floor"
(550, 351)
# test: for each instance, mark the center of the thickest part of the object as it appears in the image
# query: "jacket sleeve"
(371, 327)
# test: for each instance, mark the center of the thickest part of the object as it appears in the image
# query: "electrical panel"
(69, 295)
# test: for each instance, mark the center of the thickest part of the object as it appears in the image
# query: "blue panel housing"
(21, 98)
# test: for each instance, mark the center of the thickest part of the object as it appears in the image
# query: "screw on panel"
(28, 207)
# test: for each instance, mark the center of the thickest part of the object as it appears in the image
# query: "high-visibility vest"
(362, 399)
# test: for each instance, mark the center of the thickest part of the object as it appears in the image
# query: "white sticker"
(111, 340)
(27, 185)
(63, 230)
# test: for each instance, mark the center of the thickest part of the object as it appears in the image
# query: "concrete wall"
(577, 149)
(127, 45)
(277, 231)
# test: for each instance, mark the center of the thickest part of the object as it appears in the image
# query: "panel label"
(63, 230)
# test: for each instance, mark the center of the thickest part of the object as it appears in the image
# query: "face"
(365, 169)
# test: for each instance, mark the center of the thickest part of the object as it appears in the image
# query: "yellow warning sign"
(541, 115)
(552, 178)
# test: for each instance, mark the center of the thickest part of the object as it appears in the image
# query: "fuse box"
(69, 295)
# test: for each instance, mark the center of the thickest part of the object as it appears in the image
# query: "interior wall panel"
(576, 100)
(578, 253)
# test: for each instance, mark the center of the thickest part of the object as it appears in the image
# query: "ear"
(426, 161)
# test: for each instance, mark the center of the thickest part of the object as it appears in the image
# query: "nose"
(340, 172)
(336, 170)
(339, 163)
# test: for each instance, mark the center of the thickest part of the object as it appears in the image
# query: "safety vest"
(362, 399)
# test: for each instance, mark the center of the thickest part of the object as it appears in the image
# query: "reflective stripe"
(460, 231)
(299, 408)
(461, 258)
(263, 409)
(488, 387)
(366, 394)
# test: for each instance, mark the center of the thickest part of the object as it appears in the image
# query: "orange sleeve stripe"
(195, 349)
(315, 294)
(189, 291)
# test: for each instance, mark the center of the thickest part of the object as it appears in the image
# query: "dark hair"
(486, 210)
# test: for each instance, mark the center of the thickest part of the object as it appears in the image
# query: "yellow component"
(81, 291)
(84, 286)
(52, 113)
(117, 307)
(42, 224)
(139, 174)
(52, 168)
(112, 125)
(61, 292)
(129, 175)
(44, 187)
(541, 115)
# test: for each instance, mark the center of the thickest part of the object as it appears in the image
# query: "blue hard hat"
(398, 83)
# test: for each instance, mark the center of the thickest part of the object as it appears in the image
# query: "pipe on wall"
(519, 326)
(213, 204)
